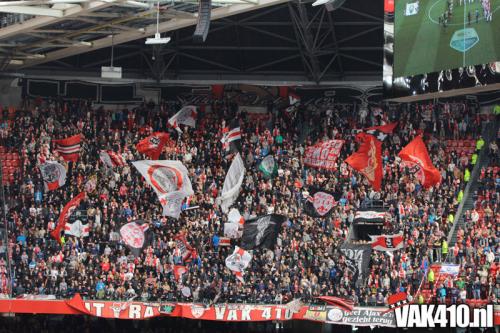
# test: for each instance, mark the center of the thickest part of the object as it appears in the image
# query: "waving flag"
(112, 159)
(381, 132)
(136, 235)
(268, 166)
(321, 202)
(368, 160)
(77, 229)
(170, 181)
(417, 158)
(69, 148)
(261, 231)
(387, 243)
(232, 137)
(186, 251)
(53, 174)
(343, 303)
(232, 184)
(238, 262)
(185, 116)
(65, 215)
(323, 154)
(293, 98)
(152, 146)
(179, 270)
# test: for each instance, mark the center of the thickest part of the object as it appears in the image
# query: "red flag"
(65, 214)
(387, 129)
(368, 160)
(415, 154)
(178, 271)
(387, 242)
(153, 144)
(69, 148)
(344, 304)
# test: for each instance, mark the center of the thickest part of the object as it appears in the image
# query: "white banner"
(185, 116)
(231, 230)
(77, 229)
(232, 184)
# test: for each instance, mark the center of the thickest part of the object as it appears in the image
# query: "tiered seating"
(461, 146)
(11, 164)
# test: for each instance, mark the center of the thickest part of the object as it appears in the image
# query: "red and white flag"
(224, 241)
(230, 136)
(343, 303)
(77, 229)
(170, 181)
(69, 148)
(185, 250)
(152, 146)
(293, 98)
(387, 243)
(53, 174)
(185, 116)
(417, 158)
(179, 270)
(368, 160)
(65, 214)
(238, 262)
(112, 159)
(323, 154)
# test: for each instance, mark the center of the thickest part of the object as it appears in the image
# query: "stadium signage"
(359, 316)
(431, 315)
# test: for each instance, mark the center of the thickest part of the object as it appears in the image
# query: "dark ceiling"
(292, 41)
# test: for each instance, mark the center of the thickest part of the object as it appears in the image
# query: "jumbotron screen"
(435, 35)
(432, 46)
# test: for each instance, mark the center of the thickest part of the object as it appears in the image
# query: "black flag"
(231, 138)
(358, 260)
(261, 231)
(320, 203)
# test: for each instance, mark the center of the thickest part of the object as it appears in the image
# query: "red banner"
(323, 154)
(145, 310)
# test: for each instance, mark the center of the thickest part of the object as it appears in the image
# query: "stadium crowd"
(306, 261)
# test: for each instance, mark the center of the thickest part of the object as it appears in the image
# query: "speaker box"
(203, 24)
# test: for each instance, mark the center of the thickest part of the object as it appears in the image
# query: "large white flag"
(232, 184)
(185, 116)
(53, 174)
(232, 230)
(238, 262)
(77, 229)
(169, 180)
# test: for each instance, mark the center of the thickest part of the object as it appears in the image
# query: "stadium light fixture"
(330, 5)
(157, 39)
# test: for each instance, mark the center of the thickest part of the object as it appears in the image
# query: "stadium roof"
(257, 41)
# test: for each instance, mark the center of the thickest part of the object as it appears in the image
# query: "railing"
(490, 133)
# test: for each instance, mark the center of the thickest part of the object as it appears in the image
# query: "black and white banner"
(370, 216)
(261, 231)
(357, 259)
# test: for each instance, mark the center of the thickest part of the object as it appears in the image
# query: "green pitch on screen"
(424, 45)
